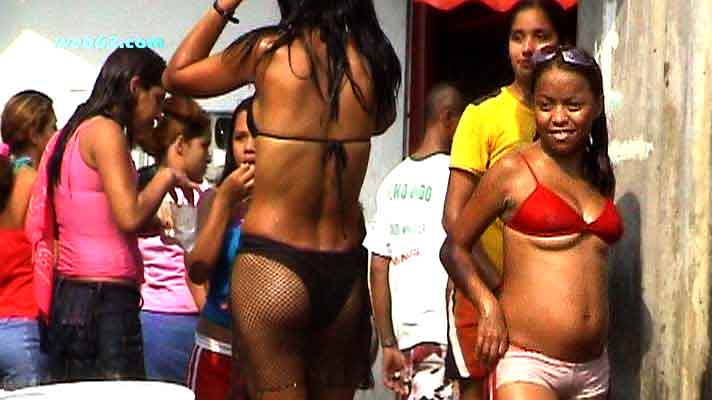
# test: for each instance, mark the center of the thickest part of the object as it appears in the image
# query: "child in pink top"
(170, 314)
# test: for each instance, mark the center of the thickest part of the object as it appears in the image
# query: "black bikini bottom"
(302, 316)
(328, 276)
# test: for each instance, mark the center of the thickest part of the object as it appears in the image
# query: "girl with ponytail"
(28, 122)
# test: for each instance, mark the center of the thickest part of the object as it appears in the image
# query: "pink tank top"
(165, 289)
(90, 242)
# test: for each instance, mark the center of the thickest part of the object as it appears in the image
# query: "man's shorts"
(460, 361)
(427, 373)
(212, 373)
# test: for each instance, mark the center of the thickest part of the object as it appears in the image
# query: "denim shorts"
(22, 363)
(167, 344)
(95, 332)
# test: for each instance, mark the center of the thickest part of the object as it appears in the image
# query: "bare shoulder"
(102, 123)
(20, 195)
(511, 174)
(22, 187)
(103, 131)
(510, 165)
(253, 45)
(25, 175)
(266, 41)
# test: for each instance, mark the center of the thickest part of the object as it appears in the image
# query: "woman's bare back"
(311, 167)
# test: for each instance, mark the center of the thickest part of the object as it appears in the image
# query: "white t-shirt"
(408, 229)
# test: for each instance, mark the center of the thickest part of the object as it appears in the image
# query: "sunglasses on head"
(570, 55)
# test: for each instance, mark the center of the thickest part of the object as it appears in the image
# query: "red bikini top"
(546, 214)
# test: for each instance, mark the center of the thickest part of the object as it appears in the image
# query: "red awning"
(497, 5)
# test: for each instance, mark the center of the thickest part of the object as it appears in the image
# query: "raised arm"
(213, 220)
(194, 72)
(214, 215)
(488, 201)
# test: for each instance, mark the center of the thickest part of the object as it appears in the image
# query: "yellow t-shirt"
(485, 133)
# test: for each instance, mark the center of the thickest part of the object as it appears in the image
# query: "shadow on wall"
(631, 324)
(706, 385)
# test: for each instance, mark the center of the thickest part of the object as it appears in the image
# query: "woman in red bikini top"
(550, 322)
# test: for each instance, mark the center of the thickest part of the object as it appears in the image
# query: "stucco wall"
(656, 56)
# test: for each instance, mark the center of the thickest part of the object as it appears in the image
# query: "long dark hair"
(111, 96)
(553, 11)
(597, 168)
(337, 22)
(230, 162)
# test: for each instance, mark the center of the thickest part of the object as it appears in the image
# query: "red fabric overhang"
(497, 5)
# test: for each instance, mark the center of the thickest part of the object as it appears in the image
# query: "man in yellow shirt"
(487, 131)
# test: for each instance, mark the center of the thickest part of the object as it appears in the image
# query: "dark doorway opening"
(466, 46)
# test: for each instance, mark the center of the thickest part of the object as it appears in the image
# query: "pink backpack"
(41, 230)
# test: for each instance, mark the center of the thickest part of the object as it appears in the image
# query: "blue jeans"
(167, 344)
(22, 363)
(95, 332)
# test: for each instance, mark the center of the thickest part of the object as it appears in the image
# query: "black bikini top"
(334, 148)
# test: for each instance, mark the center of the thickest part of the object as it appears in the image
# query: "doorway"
(466, 46)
